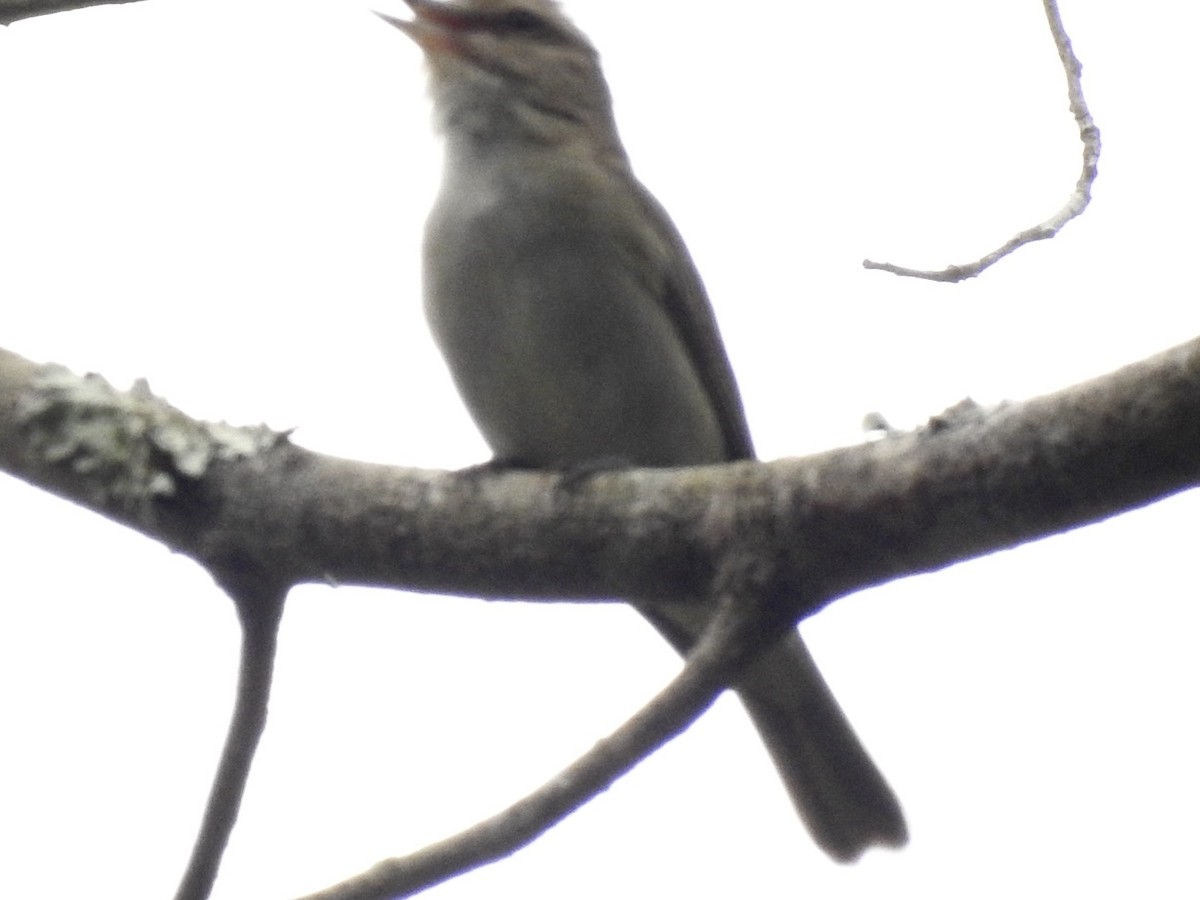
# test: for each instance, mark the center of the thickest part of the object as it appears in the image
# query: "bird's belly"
(565, 368)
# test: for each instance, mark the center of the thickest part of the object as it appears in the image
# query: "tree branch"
(1089, 134)
(15, 10)
(249, 501)
(259, 604)
(734, 635)
(839, 521)
(724, 646)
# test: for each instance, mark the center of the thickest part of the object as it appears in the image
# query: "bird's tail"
(841, 795)
(839, 792)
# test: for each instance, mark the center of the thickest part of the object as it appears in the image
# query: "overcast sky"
(226, 199)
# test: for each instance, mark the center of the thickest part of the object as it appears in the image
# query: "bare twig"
(723, 647)
(260, 604)
(1089, 134)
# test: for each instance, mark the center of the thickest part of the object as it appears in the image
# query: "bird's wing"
(686, 303)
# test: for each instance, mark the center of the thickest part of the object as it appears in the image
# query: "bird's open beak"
(433, 24)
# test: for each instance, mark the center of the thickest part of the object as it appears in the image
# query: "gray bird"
(577, 331)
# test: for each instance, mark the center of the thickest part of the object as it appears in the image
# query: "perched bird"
(578, 332)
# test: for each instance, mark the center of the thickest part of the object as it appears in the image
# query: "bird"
(578, 332)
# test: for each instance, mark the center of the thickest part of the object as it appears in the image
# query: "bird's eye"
(529, 24)
(523, 20)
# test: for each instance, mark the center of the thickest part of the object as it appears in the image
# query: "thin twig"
(714, 660)
(260, 605)
(1089, 134)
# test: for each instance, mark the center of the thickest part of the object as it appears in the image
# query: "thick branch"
(836, 522)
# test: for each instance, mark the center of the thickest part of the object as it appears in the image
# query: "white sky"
(226, 198)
